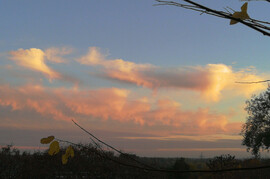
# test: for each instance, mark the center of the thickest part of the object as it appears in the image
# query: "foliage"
(9, 168)
(88, 163)
(256, 130)
(91, 163)
(55, 148)
(222, 162)
(181, 165)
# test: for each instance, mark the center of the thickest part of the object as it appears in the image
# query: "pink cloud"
(31, 97)
(28, 147)
(114, 104)
(209, 80)
(203, 149)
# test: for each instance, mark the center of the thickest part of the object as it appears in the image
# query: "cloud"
(113, 104)
(28, 147)
(209, 80)
(54, 54)
(117, 69)
(33, 59)
(227, 149)
(208, 138)
(31, 97)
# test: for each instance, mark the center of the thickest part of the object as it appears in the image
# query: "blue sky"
(128, 27)
(133, 52)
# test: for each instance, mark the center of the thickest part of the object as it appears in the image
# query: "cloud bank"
(116, 105)
(209, 80)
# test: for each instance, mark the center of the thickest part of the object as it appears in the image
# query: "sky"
(156, 81)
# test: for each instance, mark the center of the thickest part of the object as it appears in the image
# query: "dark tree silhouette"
(222, 162)
(256, 130)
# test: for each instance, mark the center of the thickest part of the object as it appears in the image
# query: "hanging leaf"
(47, 140)
(54, 148)
(240, 15)
(64, 159)
(70, 151)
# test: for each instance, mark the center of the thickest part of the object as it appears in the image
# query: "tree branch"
(111, 147)
(256, 25)
(152, 169)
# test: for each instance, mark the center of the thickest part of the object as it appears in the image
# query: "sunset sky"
(150, 80)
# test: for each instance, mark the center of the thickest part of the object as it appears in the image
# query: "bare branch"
(257, 25)
(152, 169)
(111, 147)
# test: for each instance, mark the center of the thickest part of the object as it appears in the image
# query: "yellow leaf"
(46, 140)
(70, 152)
(244, 8)
(54, 148)
(64, 159)
(240, 15)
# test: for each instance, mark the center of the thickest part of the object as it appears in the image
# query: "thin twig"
(251, 23)
(113, 148)
(252, 82)
(169, 171)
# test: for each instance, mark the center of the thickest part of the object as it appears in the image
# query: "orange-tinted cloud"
(223, 78)
(145, 74)
(33, 59)
(209, 80)
(118, 69)
(31, 97)
(229, 149)
(114, 104)
(28, 147)
(207, 138)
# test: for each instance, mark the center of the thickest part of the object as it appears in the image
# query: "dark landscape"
(90, 162)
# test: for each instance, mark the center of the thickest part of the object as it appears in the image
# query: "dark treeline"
(91, 162)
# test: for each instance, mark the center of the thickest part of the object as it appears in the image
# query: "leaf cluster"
(256, 130)
(55, 148)
(222, 162)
